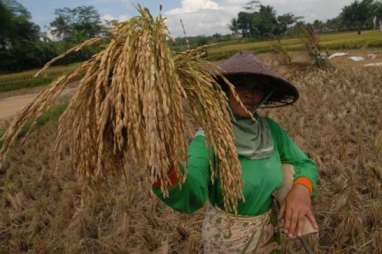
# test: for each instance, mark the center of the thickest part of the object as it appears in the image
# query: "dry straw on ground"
(131, 106)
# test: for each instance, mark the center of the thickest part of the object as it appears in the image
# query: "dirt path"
(12, 105)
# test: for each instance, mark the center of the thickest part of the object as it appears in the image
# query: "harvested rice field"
(337, 121)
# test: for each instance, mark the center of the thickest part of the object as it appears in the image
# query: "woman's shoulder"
(273, 125)
(278, 132)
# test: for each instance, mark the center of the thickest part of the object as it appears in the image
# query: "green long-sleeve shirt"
(260, 177)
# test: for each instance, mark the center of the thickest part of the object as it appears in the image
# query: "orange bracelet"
(306, 182)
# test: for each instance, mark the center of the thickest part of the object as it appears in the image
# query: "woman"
(262, 149)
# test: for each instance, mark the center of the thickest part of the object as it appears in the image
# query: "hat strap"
(265, 98)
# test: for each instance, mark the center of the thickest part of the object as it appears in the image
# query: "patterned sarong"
(225, 233)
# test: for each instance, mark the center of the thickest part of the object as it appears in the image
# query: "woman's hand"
(296, 207)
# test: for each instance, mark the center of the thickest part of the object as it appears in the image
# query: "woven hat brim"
(284, 93)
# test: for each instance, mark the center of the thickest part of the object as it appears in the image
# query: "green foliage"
(16, 24)
(264, 22)
(82, 55)
(252, 5)
(5, 22)
(244, 21)
(18, 84)
(73, 26)
(261, 21)
(318, 25)
(378, 9)
(358, 15)
(10, 82)
(27, 54)
(334, 24)
(285, 22)
(234, 26)
(78, 24)
(20, 44)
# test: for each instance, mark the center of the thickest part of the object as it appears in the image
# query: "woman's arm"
(298, 204)
(305, 168)
(193, 194)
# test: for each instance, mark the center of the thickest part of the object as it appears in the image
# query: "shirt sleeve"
(193, 194)
(291, 153)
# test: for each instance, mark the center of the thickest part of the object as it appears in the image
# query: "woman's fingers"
(291, 216)
(282, 211)
(312, 219)
(293, 223)
(296, 207)
(300, 225)
(297, 223)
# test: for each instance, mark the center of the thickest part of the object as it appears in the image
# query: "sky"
(200, 17)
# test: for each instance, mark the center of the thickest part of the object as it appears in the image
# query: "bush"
(27, 55)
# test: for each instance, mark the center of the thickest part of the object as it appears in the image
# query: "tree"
(377, 7)
(357, 15)
(264, 22)
(17, 9)
(318, 25)
(334, 24)
(234, 26)
(15, 24)
(244, 21)
(20, 44)
(285, 22)
(5, 24)
(252, 5)
(61, 26)
(77, 24)
(295, 30)
(261, 21)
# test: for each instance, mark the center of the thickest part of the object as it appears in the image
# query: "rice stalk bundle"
(311, 41)
(132, 106)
